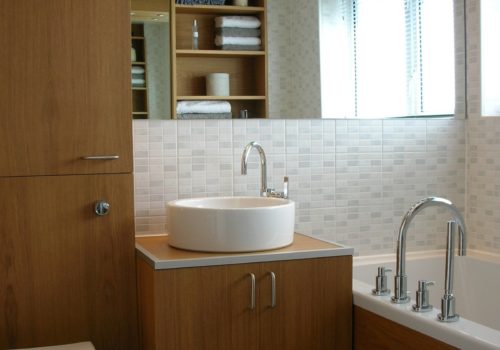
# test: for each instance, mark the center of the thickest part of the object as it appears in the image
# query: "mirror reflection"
(150, 58)
(325, 58)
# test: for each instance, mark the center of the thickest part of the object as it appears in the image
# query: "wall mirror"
(150, 58)
(331, 58)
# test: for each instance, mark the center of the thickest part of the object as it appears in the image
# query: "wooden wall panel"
(66, 274)
(65, 88)
(374, 332)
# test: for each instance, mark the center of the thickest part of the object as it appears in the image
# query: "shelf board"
(139, 88)
(218, 53)
(139, 113)
(226, 98)
(200, 9)
(138, 63)
(137, 38)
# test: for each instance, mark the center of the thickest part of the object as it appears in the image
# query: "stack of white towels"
(138, 76)
(203, 110)
(238, 33)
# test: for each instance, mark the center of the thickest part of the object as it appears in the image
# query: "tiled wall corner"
(155, 172)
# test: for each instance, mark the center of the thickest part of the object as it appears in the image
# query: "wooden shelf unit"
(139, 93)
(247, 69)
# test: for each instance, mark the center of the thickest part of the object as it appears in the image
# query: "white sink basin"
(231, 224)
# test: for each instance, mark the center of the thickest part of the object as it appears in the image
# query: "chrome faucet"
(400, 280)
(264, 191)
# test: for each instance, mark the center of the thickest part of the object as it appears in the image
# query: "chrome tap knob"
(271, 192)
(422, 296)
(285, 187)
(381, 282)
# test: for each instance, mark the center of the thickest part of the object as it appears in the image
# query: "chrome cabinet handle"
(101, 208)
(273, 289)
(252, 293)
(113, 157)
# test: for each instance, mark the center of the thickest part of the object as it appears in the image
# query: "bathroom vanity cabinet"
(290, 298)
(247, 69)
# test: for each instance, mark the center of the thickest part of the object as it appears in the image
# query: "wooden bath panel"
(374, 332)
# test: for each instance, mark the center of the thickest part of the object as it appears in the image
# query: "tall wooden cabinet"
(66, 274)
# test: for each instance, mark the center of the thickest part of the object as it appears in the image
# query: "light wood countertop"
(156, 251)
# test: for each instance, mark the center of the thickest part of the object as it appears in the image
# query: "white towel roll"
(217, 84)
(237, 22)
(236, 40)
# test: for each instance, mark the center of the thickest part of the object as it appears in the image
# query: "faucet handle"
(423, 284)
(285, 187)
(422, 296)
(270, 192)
(382, 270)
(381, 282)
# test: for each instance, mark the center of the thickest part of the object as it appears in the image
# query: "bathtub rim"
(463, 334)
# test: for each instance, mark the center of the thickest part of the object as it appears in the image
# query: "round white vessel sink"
(231, 224)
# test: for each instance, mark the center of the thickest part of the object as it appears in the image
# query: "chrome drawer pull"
(273, 289)
(100, 157)
(252, 296)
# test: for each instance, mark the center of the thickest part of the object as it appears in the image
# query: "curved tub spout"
(400, 284)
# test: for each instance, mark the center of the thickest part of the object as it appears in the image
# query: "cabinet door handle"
(252, 292)
(113, 157)
(273, 289)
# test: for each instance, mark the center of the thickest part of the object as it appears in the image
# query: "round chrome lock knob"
(101, 208)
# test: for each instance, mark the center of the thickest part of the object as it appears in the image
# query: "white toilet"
(76, 346)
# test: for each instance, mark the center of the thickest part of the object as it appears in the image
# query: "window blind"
(387, 58)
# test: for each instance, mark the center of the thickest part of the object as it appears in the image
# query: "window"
(387, 58)
(490, 56)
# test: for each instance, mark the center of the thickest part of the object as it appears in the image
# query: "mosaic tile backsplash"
(352, 180)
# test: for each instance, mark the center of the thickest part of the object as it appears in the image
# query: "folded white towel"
(137, 70)
(237, 22)
(184, 107)
(236, 40)
(138, 81)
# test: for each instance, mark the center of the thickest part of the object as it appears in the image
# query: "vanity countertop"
(156, 251)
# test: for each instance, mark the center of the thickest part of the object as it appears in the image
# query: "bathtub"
(476, 288)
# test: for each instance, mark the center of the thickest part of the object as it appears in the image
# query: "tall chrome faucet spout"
(400, 286)
(263, 164)
(264, 190)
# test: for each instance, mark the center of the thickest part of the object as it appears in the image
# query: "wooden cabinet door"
(313, 304)
(64, 87)
(203, 308)
(66, 274)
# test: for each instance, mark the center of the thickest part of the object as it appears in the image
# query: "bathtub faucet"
(400, 287)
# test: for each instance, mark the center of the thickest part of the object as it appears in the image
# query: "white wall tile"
(352, 180)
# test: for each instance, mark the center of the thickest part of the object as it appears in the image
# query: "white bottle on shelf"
(194, 44)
